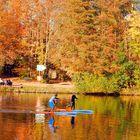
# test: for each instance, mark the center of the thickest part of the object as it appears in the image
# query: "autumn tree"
(89, 34)
(132, 41)
(11, 30)
(133, 35)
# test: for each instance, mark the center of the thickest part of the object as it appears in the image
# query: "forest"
(94, 43)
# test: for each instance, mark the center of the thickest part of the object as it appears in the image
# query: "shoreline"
(111, 94)
(51, 89)
(24, 86)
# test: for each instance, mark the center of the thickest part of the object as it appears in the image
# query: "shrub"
(137, 77)
(24, 75)
(86, 82)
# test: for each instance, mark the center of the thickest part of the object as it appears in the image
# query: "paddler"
(52, 102)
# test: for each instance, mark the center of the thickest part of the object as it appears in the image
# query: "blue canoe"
(83, 111)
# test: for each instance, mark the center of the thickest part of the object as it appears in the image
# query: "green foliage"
(128, 72)
(126, 77)
(137, 76)
(24, 75)
(86, 82)
(122, 58)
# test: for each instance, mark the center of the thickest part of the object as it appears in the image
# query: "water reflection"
(51, 124)
(40, 118)
(72, 122)
(114, 118)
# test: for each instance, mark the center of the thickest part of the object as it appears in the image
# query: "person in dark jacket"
(73, 98)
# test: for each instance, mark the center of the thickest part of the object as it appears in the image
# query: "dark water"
(113, 118)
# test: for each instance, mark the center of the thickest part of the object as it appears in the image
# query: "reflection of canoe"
(60, 113)
(64, 112)
(77, 111)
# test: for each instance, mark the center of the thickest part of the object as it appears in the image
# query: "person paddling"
(52, 102)
(73, 98)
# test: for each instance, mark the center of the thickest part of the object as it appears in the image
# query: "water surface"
(114, 118)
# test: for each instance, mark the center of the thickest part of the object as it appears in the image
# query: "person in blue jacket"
(52, 102)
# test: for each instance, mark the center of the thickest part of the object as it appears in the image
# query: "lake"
(114, 118)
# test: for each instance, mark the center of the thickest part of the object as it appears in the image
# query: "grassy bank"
(23, 86)
(67, 89)
(130, 92)
(28, 88)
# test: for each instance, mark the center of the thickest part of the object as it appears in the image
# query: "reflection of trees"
(15, 126)
(115, 117)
